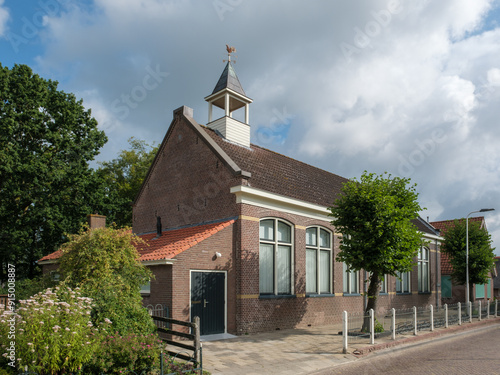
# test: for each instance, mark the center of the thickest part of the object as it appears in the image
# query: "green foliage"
(29, 287)
(374, 215)
(379, 327)
(481, 254)
(125, 174)
(104, 263)
(47, 188)
(121, 354)
(53, 331)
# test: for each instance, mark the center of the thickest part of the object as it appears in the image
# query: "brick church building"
(240, 235)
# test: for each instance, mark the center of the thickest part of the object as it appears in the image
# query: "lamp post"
(467, 293)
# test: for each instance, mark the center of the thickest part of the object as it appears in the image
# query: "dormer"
(230, 97)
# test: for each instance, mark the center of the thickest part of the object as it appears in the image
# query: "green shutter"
(445, 286)
(489, 288)
(479, 290)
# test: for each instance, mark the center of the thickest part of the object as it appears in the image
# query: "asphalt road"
(476, 352)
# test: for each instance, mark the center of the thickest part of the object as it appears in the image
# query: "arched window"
(275, 257)
(318, 261)
(423, 270)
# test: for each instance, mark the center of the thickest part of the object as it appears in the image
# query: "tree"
(125, 174)
(481, 254)
(104, 263)
(374, 216)
(47, 188)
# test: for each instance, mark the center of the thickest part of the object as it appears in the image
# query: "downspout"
(365, 298)
(438, 280)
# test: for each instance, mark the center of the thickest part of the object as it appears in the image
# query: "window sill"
(352, 295)
(279, 296)
(424, 293)
(320, 295)
(403, 293)
(383, 294)
(144, 294)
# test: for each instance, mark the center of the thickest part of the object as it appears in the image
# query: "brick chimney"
(96, 221)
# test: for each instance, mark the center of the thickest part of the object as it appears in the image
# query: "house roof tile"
(281, 174)
(175, 241)
(171, 243)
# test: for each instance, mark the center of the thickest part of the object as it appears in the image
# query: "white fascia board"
(45, 262)
(265, 199)
(159, 262)
(432, 237)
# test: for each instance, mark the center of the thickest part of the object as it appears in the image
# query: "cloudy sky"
(411, 88)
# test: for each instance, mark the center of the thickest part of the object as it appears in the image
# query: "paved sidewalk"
(302, 351)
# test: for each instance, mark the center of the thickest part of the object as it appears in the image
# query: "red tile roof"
(174, 242)
(171, 243)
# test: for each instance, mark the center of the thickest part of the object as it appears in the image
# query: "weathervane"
(229, 50)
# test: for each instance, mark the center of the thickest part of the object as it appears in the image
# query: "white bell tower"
(229, 96)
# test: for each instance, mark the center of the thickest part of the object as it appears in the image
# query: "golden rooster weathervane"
(229, 50)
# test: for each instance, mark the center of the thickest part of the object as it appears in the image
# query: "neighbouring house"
(451, 292)
(496, 279)
(241, 236)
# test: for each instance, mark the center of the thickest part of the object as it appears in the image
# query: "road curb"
(425, 336)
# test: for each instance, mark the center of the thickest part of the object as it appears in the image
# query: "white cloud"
(419, 99)
(4, 17)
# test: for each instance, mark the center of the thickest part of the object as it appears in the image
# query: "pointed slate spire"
(229, 80)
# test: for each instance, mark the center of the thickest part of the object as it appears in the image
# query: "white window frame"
(403, 279)
(318, 249)
(424, 265)
(383, 285)
(347, 286)
(275, 243)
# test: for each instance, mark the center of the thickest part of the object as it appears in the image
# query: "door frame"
(225, 293)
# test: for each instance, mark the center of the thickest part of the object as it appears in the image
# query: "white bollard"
(432, 317)
(415, 320)
(345, 332)
(372, 327)
(445, 315)
(393, 323)
(470, 312)
(459, 314)
(488, 309)
(496, 308)
(479, 310)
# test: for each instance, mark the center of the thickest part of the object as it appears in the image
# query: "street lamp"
(467, 250)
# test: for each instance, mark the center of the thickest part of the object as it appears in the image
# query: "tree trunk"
(372, 295)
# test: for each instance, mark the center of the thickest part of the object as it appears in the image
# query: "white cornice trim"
(159, 262)
(265, 199)
(432, 236)
(46, 262)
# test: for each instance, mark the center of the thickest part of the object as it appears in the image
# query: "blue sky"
(411, 88)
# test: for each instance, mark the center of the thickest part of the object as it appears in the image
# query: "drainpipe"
(365, 298)
(438, 281)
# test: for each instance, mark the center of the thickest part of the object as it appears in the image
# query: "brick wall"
(256, 314)
(188, 184)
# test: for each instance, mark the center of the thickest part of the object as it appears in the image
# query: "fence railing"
(366, 327)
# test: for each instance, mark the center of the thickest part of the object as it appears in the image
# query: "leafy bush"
(105, 264)
(53, 331)
(120, 354)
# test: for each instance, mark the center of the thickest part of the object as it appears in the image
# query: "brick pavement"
(303, 351)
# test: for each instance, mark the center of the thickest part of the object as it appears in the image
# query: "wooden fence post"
(197, 339)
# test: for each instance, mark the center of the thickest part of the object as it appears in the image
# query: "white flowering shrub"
(53, 332)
